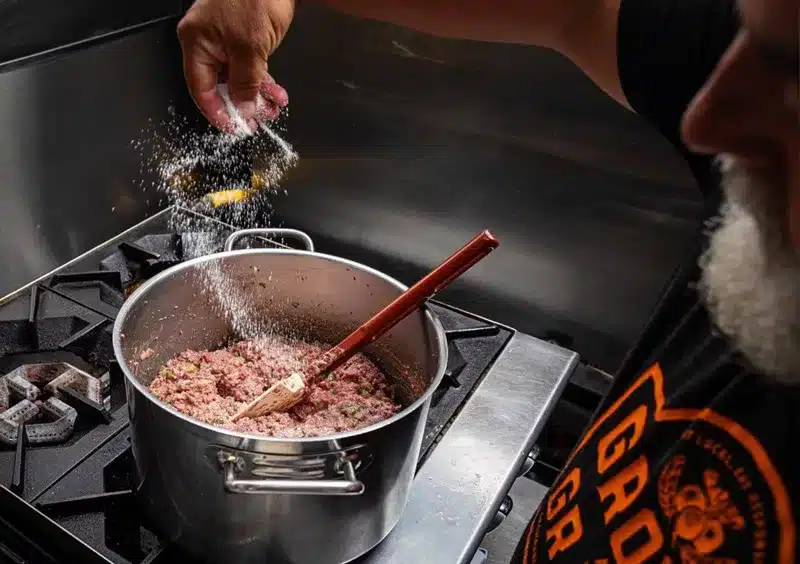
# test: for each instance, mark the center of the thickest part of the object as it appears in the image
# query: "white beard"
(751, 276)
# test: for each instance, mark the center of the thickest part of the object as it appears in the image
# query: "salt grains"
(241, 128)
(174, 153)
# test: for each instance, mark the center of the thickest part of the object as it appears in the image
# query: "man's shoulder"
(659, 475)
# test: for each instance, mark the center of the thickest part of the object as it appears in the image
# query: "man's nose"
(734, 113)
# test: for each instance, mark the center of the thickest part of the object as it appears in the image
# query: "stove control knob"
(528, 463)
(502, 512)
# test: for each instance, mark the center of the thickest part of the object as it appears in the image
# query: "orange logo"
(698, 514)
(659, 484)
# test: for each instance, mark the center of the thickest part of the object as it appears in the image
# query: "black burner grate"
(144, 257)
(105, 286)
(56, 387)
(455, 358)
(105, 512)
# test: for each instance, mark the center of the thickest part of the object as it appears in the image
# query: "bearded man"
(689, 458)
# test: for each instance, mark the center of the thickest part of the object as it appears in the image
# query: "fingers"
(273, 98)
(202, 81)
(274, 92)
(200, 67)
(266, 109)
(245, 76)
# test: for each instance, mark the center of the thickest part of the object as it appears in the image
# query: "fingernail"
(272, 112)
(277, 94)
(247, 110)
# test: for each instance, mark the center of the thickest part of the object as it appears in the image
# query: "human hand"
(234, 37)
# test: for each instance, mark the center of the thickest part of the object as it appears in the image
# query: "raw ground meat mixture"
(213, 386)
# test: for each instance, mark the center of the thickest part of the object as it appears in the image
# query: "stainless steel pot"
(233, 497)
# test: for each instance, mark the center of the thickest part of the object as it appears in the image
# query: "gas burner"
(60, 392)
(39, 397)
(57, 369)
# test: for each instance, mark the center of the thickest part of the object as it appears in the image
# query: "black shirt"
(689, 458)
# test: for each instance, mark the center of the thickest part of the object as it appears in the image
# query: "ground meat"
(212, 386)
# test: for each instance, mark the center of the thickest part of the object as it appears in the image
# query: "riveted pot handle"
(347, 486)
(270, 232)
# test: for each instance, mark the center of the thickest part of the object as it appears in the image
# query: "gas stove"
(65, 459)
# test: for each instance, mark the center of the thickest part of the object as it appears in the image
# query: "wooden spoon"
(286, 393)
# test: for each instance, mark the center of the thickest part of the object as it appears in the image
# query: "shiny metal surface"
(230, 242)
(510, 404)
(70, 174)
(311, 295)
(88, 254)
(34, 26)
(349, 485)
(460, 487)
(502, 512)
(481, 557)
(409, 143)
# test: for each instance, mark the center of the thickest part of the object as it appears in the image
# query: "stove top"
(65, 461)
(103, 278)
(60, 380)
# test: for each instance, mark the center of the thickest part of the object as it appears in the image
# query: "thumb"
(245, 75)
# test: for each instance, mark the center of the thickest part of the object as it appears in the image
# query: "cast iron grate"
(128, 266)
(123, 525)
(455, 359)
(55, 379)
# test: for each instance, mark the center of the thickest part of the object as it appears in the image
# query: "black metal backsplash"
(33, 26)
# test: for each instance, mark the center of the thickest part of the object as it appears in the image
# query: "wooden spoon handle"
(458, 263)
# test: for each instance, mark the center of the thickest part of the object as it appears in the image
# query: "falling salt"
(241, 129)
(287, 149)
(174, 149)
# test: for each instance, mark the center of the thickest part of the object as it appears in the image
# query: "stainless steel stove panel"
(460, 487)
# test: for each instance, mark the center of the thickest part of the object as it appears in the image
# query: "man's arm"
(240, 34)
(649, 55)
(585, 31)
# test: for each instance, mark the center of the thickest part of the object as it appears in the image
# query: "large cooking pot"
(234, 497)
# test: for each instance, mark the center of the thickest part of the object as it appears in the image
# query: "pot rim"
(140, 293)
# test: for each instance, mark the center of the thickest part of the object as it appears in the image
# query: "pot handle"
(348, 486)
(270, 232)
